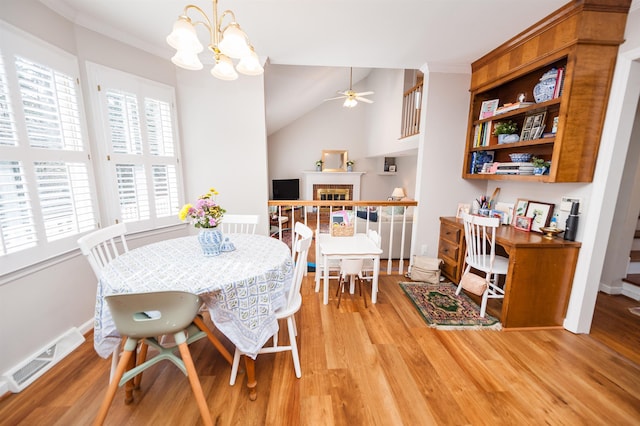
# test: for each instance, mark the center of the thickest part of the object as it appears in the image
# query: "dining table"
(357, 246)
(241, 288)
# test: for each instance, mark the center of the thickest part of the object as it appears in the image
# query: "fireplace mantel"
(311, 178)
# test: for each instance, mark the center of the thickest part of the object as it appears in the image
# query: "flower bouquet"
(206, 214)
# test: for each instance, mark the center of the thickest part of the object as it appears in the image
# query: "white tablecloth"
(242, 288)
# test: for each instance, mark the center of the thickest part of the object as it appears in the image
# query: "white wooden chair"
(351, 269)
(480, 238)
(294, 301)
(100, 248)
(367, 267)
(239, 223)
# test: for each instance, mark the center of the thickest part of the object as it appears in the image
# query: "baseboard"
(4, 388)
(616, 288)
(630, 290)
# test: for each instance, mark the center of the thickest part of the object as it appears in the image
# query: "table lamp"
(397, 194)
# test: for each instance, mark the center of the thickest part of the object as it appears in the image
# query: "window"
(46, 184)
(139, 150)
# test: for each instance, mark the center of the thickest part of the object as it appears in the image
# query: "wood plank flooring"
(375, 366)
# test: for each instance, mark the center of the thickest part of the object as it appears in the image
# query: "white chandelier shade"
(225, 43)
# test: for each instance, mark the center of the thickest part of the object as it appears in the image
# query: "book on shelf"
(557, 91)
(478, 160)
(488, 108)
(482, 134)
(512, 106)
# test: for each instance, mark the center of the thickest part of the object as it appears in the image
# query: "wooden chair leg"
(363, 294)
(213, 339)
(113, 387)
(340, 290)
(128, 387)
(195, 384)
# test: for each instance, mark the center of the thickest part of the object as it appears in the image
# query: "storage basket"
(342, 230)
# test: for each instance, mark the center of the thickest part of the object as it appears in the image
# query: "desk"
(241, 289)
(540, 276)
(358, 246)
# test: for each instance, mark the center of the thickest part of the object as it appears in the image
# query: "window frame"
(15, 42)
(101, 79)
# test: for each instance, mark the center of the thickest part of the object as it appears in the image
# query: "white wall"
(440, 186)
(224, 141)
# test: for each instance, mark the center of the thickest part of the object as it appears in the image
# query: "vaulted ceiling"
(309, 44)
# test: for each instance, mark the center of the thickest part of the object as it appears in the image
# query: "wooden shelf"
(575, 39)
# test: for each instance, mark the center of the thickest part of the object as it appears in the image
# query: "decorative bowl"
(550, 232)
(521, 157)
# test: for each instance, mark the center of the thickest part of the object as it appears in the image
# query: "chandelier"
(224, 42)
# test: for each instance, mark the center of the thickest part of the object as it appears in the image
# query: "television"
(286, 189)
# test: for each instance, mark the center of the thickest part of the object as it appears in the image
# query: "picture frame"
(540, 214)
(522, 223)
(392, 168)
(520, 208)
(507, 209)
(462, 208)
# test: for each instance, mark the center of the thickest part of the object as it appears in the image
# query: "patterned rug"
(442, 309)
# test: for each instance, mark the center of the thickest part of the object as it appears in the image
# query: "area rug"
(442, 309)
(635, 311)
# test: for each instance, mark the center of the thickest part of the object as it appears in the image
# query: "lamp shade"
(187, 59)
(350, 103)
(398, 193)
(224, 69)
(234, 42)
(250, 65)
(184, 37)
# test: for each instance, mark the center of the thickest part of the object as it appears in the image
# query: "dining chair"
(333, 268)
(240, 223)
(351, 269)
(367, 267)
(100, 248)
(139, 318)
(294, 301)
(480, 238)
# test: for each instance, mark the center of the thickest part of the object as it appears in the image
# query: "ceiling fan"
(350, 97)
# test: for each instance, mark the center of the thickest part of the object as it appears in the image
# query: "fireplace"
(332, 192)
(335, 182)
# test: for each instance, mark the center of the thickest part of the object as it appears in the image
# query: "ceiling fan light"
(224, 69)
(234, 42)
(250, 65)
(183, 36)
(187, 59)
(350, 103)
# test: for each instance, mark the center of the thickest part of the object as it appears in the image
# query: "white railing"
(390, 218)
(411, 106)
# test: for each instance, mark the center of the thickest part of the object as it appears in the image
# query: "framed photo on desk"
(540, 214)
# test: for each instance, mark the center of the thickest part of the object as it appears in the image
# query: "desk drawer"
(450, 270)
(449, 250)
(450, 233)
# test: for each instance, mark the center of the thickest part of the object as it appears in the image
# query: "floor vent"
(35, 366)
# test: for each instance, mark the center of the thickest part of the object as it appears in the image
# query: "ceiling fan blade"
(365, 100)
(337, 97)
(364, 93)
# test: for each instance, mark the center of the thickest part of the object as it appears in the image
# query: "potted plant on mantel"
(350, 164)
(506, 132)
(319, 165)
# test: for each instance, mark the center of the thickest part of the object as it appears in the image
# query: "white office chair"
(239, 223)
(100, 248)
(480, 237)
(351, 268)
(294, 301)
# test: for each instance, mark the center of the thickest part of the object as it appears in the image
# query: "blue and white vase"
(210, 240)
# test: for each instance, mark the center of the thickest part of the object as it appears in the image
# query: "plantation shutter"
(141, 148)
(47, 195)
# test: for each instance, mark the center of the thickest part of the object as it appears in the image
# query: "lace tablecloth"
(241, 288)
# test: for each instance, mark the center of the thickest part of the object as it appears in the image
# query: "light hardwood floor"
(375, 366)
